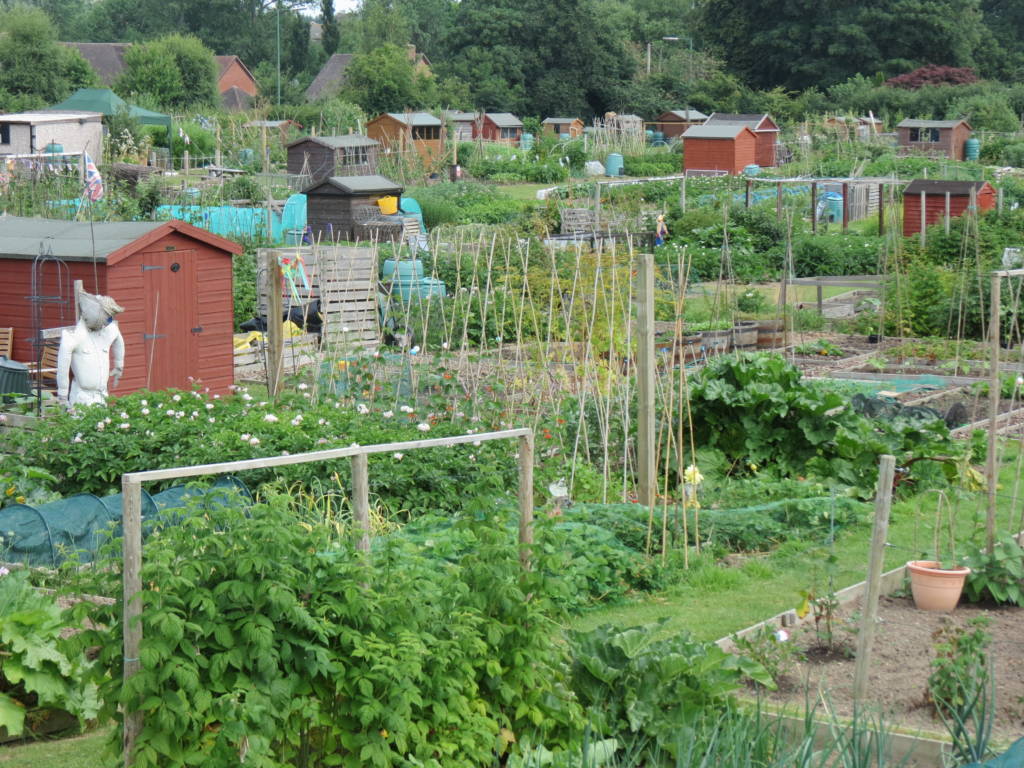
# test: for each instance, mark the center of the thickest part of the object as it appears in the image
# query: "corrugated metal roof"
(688, 114)
(558, 120)
(339, 142)
(359, 184)
(415, 119)
(753, 121)
(712, 131)
(940, 187)
(457, 116)
(930, 123)
(504, 120)
(69, 240)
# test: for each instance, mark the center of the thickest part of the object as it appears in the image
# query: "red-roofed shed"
(935, 191)
(729, 148)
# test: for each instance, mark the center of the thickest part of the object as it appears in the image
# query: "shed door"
(171, 328)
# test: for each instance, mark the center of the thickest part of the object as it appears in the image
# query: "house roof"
(107, 59)
(234, 99)
(22, 237)
(932, 123)
(753, 121)
(504, 120)
(357, 184)
(52, 116)
(337, 142)
(719, 131)
(330, 78)
(686, 115)
(415, 119)
(271, 124)
(940, 187)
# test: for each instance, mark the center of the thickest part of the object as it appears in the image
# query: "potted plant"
(937, 584)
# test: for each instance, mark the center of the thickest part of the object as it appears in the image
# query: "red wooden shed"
(728, 147)
(764, 128)
(173, 279)
(935, 192)
(498, 126)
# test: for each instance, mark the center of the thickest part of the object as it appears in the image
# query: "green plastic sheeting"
(47, 535)
(107, 102)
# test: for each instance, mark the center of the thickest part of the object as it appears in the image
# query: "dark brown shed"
(323, 156)
(942, 137)
(675, 122)
(174, 281)
(331, 204)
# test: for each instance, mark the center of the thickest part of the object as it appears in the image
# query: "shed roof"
(753, 121)
(686, 115)
(932, 123)
(107, 59)
(940, 187)
(458, 116)
(51, 116)
(504, 120)
(331, 76)
(22, 237)
(415, 119)
(270, 124)
(355, 185)
(559, 120)
(720, 131)
(337, 142)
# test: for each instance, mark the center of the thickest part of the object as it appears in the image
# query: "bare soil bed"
(901, 662)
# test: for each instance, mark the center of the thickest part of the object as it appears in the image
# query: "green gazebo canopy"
(107, 102)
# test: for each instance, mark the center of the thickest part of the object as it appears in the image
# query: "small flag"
(93, 180)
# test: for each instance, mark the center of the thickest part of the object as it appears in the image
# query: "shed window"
(5, 133)
(929, 135)
(354, 156)
(429, 132)
(509, 133)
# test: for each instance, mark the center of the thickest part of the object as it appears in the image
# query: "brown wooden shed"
(330, 204)
(174, 281)
(398, 131)
(675, 122)
(728, 147)
(498, 126)
(935, 192)
(563, 126)
(942, 137)
(764, 128)
(323, 156)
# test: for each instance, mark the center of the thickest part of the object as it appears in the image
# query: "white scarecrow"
(83, 362)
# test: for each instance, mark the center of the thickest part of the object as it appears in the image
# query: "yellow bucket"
(388, 205)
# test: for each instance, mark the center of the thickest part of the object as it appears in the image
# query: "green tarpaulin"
(107, 102)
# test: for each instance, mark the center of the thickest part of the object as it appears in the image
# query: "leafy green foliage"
(773, 652)
(176, 71)
(998, 576)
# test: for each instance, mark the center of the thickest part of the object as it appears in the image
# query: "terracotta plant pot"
(934, 587)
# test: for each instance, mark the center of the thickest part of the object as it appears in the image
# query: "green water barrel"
(649, 135)
(972, 149)
(833, 206)
(526, 141)
(613, 165)
(407, 269)
(53, 148)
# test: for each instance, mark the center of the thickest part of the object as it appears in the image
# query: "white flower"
(322, 441)
(209, 406)
(476, 442)
(321, 422)
(344, 329)
(176, 398)
(195, 414)
(415, 350)
(254, 441)
(444, 345)
(1020, 382)
(303, 386)
(78, 438)
(211, 419)
(362, 409)
(143, 402)
(108, 420)
(296, 421)
(388, 414)
(405, 409)
(246, 396)
(781, 635)
(285, 453)
(398, 456)
(270, 417)
(179, 414)
(245, 437)
(125, 425)
(216, 397)
(145, 411)
(124, 415)
(101, 425)
(262, 403)
(423, 426)
(170, 412)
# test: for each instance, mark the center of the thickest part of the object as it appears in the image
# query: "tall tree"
(176, 71)
(381, 23)
(331, 34)
(382, 80)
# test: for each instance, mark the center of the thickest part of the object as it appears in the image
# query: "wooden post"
(361, 500)
(131, 528)
(682, 193)
(217, 152)
(275, 332)
(746, 198)
(184, 162)
(646, 471)
(881, 210)
(597, 205)
(821, 300)
(991, 463)
(778, 201)
(924, 220)
(525, 499)
(814, 207)
(846, 207)
(946, 215)
(999, 199)
(869, 609)
(263, 147)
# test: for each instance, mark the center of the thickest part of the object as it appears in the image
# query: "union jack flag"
(93, 180)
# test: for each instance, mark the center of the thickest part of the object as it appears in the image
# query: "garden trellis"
(131, 520)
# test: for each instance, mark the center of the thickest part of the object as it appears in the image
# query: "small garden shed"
(331, 204)
(936, 194)
(461, 123)
(764, 128)
(398, 131)
(323, 156)
(174, 281)
(563, 126)
(942, 137)
(675, 122)
(728, 147)
(31, 132)
(498, 126)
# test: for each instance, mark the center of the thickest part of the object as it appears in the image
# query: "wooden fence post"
(361, 500)
(646, 474)
(866, 635)
(881, 210)
(814, 207)
(846, 207)
(924, 219)
(525, 498)
(275, 330)
(994, 391)
(131, 529)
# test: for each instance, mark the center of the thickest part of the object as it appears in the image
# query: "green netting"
(47, 535)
